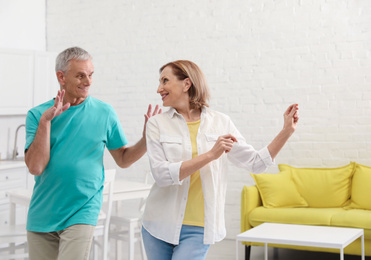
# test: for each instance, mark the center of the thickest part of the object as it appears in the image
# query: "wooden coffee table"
(302, 235)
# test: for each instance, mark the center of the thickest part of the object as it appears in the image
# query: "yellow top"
(194, 213)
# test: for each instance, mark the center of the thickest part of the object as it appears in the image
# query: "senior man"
(65, 141)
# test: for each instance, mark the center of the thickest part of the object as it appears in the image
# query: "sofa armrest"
(250, 199)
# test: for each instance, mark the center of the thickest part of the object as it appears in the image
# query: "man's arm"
(126, 156)
(38, 154)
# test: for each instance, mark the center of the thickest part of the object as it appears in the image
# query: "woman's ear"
(187, 84)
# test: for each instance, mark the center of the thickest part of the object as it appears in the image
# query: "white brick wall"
(258, 56)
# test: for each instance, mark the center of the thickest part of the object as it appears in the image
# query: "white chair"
(127, 227)
(13, 240)
(101, 231)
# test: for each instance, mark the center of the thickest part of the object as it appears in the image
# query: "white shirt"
(168, 145)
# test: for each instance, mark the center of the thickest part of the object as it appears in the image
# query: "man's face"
(77, 80)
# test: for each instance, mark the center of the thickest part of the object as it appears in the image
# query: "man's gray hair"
(73, 53)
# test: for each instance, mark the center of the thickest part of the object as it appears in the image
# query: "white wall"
(258, 56)
(22, 26)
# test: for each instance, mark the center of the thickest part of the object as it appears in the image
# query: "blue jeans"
(191, 245)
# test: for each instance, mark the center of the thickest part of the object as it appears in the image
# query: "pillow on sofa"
(278, 190)
(361, 188)
(323, 187)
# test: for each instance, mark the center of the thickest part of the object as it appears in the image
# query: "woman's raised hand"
(291, 118)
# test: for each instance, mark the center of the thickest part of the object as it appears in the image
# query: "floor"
(226, 250)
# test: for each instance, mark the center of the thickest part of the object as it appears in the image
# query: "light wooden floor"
(226, 250)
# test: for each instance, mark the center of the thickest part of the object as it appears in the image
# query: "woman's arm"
(291, 118)
(171, 172)
(223, 145)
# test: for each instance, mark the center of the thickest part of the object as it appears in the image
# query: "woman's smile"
(163, 96)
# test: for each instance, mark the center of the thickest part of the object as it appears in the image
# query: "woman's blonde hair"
(199, 93)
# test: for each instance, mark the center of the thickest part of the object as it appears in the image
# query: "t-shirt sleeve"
(115, 134)
(32, 123)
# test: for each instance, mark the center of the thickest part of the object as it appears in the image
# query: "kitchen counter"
(4, 164)
(13, 176)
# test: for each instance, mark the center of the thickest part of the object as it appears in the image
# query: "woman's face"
(174, 92)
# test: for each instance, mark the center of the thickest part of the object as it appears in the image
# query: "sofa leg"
(275, 253)
(247, 252)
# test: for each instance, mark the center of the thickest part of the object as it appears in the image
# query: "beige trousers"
(72, 243)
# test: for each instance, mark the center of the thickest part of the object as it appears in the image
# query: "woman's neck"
(190, 115)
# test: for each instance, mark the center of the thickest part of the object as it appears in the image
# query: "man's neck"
(73, 101)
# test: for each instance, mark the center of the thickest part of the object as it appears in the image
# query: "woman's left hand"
(291, 118)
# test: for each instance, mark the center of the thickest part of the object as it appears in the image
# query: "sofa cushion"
(354, 218)
(361, 188)
(323, 187)
(305, 216)
(278, 190)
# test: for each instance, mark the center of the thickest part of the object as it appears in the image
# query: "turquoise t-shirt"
(69, 191)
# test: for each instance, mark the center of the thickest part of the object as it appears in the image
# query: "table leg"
(12, 216)
(363, 246)
(265, 251)
(341, 253)
(236, 249)
(119, 254)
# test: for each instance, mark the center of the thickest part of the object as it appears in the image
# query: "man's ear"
(187, 84)
(60, 77)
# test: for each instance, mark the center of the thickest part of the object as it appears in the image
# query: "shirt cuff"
(266, 157)
(174, 169)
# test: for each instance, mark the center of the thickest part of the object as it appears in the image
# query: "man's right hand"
(58, 107)
(38, 153)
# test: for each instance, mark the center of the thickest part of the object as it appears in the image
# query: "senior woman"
(188, 147)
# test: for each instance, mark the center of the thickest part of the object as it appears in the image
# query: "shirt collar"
(172, 111)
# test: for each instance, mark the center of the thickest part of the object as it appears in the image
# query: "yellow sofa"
(338, 197)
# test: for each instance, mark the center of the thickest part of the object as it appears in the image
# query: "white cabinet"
(16, 82)
(13, 176)
(27, 78)
(46, 84)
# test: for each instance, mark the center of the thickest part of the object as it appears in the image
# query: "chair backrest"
(109, 181)
(147, 180)
(102, 228)
(109, 178)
